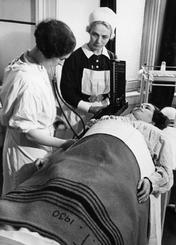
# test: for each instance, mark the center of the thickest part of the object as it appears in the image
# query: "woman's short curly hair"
(54, 38)
(160, 120)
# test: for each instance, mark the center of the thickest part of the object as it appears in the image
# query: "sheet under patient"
(88, 194)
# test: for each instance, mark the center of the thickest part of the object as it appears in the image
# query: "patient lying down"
(94, 192)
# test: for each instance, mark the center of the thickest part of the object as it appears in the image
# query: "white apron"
(95, 84)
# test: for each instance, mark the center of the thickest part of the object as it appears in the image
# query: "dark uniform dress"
(85, 80)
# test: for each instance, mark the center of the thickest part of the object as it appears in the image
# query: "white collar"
(89, 53)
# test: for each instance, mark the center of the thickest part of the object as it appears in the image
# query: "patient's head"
(151, 114)
(170, 112)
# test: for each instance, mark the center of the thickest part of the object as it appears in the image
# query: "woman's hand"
(97, 106)
(90, 123)
(144, 189)
(68, 143)
(95, 109)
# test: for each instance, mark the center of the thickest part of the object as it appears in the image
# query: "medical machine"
(117, 94)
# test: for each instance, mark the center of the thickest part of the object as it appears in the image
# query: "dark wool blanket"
(84, 196)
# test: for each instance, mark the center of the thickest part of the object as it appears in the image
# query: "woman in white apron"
(85, 79)
(28, 103)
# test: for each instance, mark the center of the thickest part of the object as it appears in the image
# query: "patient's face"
(144, 112)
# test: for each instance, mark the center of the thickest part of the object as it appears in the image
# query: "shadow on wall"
(12, 45)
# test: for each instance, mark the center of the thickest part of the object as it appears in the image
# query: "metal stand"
(152, 77)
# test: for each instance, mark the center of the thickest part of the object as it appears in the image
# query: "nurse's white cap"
(104, 14)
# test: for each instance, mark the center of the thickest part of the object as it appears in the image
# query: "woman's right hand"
(95, 109)
(68, 143)
(97, 106)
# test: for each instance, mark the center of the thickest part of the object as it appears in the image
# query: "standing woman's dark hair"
(160, 120)
(54, 38)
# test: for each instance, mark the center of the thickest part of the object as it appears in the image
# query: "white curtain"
(152, 31)
(46, 9)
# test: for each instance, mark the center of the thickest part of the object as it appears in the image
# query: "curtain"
(152, 30)
(112, 5)
(167, 50)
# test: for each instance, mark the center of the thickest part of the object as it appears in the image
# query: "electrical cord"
(58, 96)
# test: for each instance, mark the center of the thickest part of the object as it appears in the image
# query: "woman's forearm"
(162, 180)
(41, 137)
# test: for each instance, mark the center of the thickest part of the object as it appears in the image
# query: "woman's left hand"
(143, 190)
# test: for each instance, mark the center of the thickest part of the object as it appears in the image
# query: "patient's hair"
(54, 38)
(161, 121)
